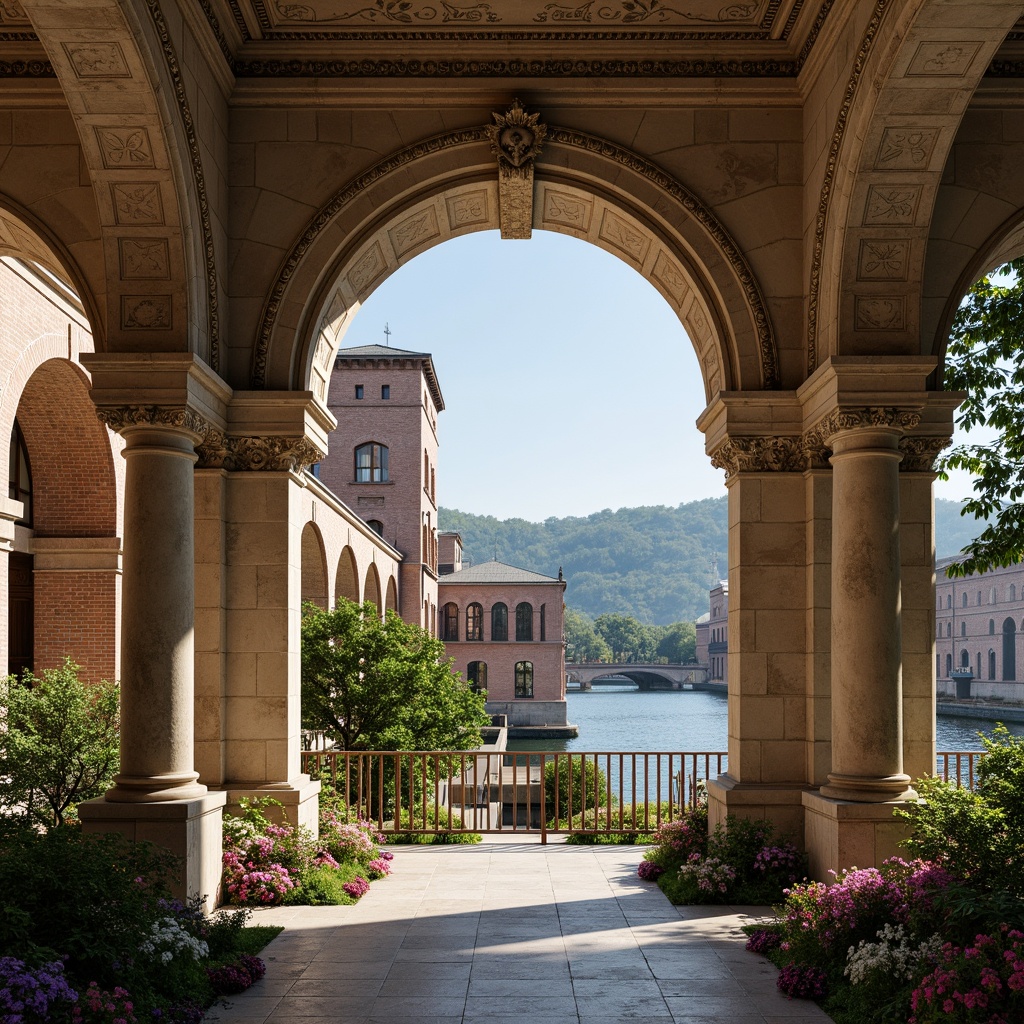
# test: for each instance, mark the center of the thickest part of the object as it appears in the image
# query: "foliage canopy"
(984, 359)
(383, 685)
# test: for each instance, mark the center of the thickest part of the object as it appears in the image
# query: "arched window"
(474, 622)
(1013, 592)
(949, 664)
(963, 601)
(476, 672)
(524, 679)
(426, 469)
(543, 629)
(992, 665)
(949, 600)
(450, 621)
(524, 621)
(949, 629)
(1009, 651)
(371, 463)
(992, 627)
(965, 659)
(963, 629)
(992, 596)
(978, 670)
(979, 597)
(20, 474)
(499, 621)
(376, 525)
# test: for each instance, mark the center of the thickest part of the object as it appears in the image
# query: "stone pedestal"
(844, 833)
(190, 829)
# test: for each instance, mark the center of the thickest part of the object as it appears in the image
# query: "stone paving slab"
(499, 932)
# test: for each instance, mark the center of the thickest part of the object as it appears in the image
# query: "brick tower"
(383, 459)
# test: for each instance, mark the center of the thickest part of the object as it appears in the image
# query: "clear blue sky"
(569, 383)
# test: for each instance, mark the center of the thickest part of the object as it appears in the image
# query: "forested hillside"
(655, 563)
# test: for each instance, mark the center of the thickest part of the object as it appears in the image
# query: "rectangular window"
(359, 391)
(385, 391)
(524, 679)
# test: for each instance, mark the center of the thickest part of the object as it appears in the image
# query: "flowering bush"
(237, 976)
(763, 941)
(30, 994)
(710, 876)
(649, 871)
(379, 868)
(97, 1006)
(894, 955)
(167, 937)
(802, 982)
(982, 982)
(358, 887)
(247, 884)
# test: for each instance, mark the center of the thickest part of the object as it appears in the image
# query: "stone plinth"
(845, 833)
(299, 800)
(780, 804)
(190, 829)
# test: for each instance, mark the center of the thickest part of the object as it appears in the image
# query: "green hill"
(655, 563)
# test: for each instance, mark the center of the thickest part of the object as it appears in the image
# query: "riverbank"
(989, 711)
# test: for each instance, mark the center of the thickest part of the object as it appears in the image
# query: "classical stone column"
(158, 604)
(867, 708)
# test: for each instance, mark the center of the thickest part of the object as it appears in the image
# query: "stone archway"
(653, 222)
(371, 588)
(391, 597)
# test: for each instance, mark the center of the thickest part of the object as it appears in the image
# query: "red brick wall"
(75, 616)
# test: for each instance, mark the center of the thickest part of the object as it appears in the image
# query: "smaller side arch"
(314, 567)
(371, 588)
(347, 579)
(391, 597)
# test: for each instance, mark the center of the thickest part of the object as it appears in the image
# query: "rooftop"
(496, 572)
(378, 353)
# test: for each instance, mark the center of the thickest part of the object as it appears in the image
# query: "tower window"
(385, 391)
(359, 391)
(376, 525)
(475, 622)
(524, 621)
(524, 679)
(371, 463)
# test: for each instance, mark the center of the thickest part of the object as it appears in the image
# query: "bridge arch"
(586, 187)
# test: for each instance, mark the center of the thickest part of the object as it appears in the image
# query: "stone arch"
(347, 580)
(391, 597)
(585, 187)
(111, 56)
(882, 171)
(371, 588)
(314, 566)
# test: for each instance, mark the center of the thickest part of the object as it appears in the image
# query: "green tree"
(582, 641)
(624, 635)
(984, 359)
(58, 743)
(679, 643)
(383, 685)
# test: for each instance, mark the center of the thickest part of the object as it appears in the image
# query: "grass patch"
(253, 938)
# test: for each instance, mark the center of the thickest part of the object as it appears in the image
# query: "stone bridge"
(646, 677)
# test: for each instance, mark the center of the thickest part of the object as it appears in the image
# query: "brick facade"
(713, 634)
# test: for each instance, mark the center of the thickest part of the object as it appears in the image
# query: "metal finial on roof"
(560, 576)
(387, 335)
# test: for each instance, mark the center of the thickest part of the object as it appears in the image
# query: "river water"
(621, 718)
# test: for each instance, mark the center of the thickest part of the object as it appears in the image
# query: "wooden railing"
(549, 792)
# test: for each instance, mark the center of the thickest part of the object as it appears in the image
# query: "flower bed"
(267, 863)
(934, 940)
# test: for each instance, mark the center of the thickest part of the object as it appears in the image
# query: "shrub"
(31, 994)
(237, 976)
(59, 744)
(802, 982)
(580, 785)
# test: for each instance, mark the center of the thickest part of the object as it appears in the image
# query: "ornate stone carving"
(760, 455)
(137, 202)
(851, 419)
(218, 451)
(673, 189)
(891, 204)
(920, 453)
(198, 178)
(516, 139)
(125, 147)
(828, 183)
(123, 417)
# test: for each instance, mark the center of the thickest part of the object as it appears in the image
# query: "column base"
(779, 803)
(128, 789)
(867, 790)
(299, 799)
(190, 829)
(846, 833)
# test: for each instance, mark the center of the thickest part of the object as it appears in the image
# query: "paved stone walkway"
(498, 933)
